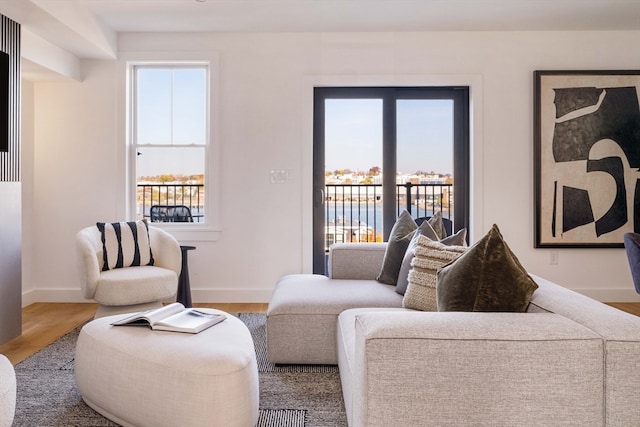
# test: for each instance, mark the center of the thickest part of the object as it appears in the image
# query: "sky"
(176, 117)
(353, 128)
(353, 135)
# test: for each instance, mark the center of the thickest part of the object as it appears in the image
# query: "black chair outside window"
(170, 213)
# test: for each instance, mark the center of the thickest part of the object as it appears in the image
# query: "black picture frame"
(586, 157)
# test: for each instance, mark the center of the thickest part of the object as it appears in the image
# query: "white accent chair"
(7, 392)
(129, 289)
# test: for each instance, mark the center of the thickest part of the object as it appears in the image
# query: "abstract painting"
(586, 157)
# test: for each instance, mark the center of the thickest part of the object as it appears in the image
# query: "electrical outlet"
(554, 257)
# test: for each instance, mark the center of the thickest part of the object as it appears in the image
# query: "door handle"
(319, 198)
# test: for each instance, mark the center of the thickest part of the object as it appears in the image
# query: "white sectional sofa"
(569, 360)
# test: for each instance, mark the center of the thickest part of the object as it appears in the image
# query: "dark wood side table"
(184, 287)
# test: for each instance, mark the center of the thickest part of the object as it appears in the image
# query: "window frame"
(459, 94)
(208, 230)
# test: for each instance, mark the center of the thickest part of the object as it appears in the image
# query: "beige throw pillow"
(429, 257)
(458, 239)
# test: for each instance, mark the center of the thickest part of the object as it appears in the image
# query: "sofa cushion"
(135, 285)
(425, 229)
(356, 260)
(429, 257)
(487, 277)
(399, 239)
(303, 311)
(449, 368)
(125, 244)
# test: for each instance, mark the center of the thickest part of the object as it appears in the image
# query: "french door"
(378, 150)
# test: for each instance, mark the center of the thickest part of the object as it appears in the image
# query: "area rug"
(290, 395)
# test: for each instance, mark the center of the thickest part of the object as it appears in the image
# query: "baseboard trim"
(52, 295)
(264, 295)
(611, 295)
(197, 295)
(231, 295)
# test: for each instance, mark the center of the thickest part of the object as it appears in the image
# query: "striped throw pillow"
(430, 256)
(125, 244)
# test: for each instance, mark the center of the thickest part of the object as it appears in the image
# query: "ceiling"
(89, 28)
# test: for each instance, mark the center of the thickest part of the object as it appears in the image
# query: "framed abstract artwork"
(586, 157)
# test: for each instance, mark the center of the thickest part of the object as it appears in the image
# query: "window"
(169, 141)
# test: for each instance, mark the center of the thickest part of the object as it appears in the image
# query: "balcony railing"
(353, 213)
(190, 195)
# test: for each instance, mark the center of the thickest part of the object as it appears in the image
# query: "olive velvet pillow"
(487, 277)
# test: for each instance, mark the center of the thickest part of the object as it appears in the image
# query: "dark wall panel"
(10, 107)
(10, 190)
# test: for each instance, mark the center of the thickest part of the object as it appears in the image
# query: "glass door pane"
(353, 170)
(424, 144)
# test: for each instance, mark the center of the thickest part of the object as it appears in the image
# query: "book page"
(164, 312)
(150, 316)
(189, 320)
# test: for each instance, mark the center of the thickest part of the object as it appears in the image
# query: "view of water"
(369, 213)
(346, 214)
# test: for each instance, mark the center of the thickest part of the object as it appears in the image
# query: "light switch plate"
(279, 176)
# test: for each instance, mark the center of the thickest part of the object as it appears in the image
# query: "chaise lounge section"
(304, 308)
(569, 360)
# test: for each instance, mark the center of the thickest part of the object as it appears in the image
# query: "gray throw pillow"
(425, 229)
(487, 277)
(457, 239)
(399, 239)
(429, 257)
(436, 223)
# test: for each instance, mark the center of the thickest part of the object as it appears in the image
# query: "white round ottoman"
(7, 392)
(139, 377)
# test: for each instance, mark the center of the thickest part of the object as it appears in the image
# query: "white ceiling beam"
(68, 24)
(45, 58)
(81, 21)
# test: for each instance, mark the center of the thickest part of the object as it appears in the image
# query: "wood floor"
(43, 323)
(629, 307)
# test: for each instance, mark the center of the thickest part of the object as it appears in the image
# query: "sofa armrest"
(166, 250)
(449, 368)
(361, 261)
(88, 256)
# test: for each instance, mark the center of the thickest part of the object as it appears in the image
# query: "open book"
(173, 317)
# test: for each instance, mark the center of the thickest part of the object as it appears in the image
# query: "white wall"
(26, 153)
(265, 86)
